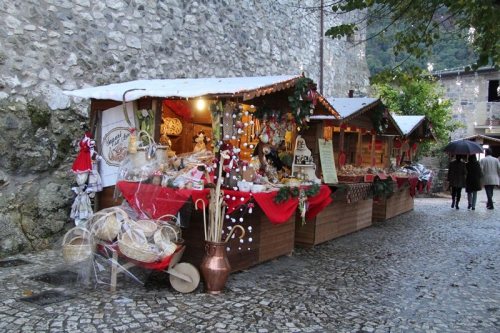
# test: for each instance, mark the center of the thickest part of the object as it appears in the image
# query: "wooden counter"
(399, 203)
(341, 217)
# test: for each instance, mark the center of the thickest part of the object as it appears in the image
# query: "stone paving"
(434, 269)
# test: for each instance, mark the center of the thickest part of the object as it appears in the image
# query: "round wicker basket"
(105, 224)
(79, 247)
(134, 245)
(148, 227)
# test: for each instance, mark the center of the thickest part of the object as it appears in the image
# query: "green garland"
(382, 188)
(301, 108)
(287, 192)
(380, 122)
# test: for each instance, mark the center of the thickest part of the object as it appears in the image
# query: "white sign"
(114, 142)
(327, 161)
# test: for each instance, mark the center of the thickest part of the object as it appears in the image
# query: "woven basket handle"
(85, 231)
(150, 139)
(169, 215)
(175, 232)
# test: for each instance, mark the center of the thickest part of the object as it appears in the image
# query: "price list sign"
(327, 161)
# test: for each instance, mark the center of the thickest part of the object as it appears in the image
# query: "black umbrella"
(463, 147)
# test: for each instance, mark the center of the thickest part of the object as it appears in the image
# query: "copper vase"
(215, 267)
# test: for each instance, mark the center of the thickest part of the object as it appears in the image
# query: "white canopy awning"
(245, 87)
(407, 124)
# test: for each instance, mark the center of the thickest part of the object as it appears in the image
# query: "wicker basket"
(140, 158)
(105, 225)
(80, 247)
(162, 153)
(171, 224)
(148, 227)
(165, 244)
(134, 245)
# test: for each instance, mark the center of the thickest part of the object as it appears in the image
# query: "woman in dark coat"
(473, 182)
(456, 178)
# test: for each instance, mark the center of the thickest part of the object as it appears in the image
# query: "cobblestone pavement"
(434, 269)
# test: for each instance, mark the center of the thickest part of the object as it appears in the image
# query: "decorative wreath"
(303, 101)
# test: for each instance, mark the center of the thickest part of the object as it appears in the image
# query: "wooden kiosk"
(353, 141)
(413, 129)
(169, 109)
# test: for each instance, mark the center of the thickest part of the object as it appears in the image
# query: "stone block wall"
(47, 46)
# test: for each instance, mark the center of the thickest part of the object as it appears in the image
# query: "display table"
(270, 228)
(349, 210)
(400, 202)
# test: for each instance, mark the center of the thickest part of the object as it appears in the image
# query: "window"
(493, 91)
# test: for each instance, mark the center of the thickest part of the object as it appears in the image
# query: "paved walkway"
(434, 269)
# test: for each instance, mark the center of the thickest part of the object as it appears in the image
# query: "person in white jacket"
(490, 166)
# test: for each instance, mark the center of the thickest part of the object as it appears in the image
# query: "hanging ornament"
(353, 128)
(342, 158)
(363, 130)
(343, 126)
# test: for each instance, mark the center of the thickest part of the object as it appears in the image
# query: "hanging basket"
(79, 247)
(134, 245)
(105, 224)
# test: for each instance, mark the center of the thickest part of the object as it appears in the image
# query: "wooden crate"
(337, 219)
(268, 241)
(399, 203)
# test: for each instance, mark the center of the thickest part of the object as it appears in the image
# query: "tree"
(420, 95)
(419, 25)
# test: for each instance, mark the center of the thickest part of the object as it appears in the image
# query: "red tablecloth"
(156, 201)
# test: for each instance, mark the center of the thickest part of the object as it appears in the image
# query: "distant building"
(476, 100)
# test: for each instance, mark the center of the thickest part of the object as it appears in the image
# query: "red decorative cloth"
(153, 201)
(280, 213)
(318, 202)
(401, 181)
(276, 213)
(413, 185)
(179, 108)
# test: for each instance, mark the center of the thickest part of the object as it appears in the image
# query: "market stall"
(349, 145)
(213, 168)
(410, 177)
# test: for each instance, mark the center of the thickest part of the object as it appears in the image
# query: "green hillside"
(452, 52)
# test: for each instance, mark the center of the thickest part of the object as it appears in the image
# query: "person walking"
(473, 181)
(457, 173)
(490, 166)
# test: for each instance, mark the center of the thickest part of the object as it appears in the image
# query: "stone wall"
(47, 46)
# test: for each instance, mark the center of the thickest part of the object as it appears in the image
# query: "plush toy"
(200, 141)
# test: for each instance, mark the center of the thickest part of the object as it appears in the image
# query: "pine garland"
(287, 192)
(301, 107)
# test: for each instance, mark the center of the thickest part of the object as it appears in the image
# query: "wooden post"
(359, 150)
(374, 136)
